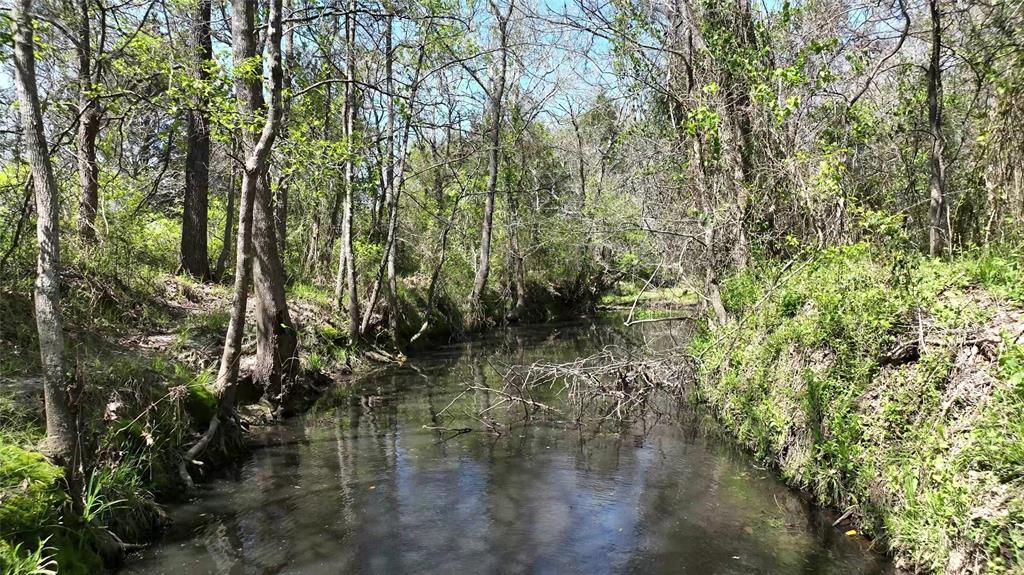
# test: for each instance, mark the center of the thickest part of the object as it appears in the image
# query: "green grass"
(626, 293)
(138, 412)
(931, 456)
(312, 293)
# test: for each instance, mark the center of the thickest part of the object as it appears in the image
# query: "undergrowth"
(889, 386)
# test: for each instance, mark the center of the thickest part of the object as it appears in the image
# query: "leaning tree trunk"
(88, 130)
(61, 432)
(497, 94)
(276, 339)
(257, 156)
(938, 231)
(194, 248)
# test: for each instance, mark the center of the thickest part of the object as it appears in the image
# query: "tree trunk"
(194, 248)
(938, 231)
(229, 225)
(516, 256)
(348, 254)
(395, 191)
(61, 432)
(257, 153)
(276, 339)
(497, 94)
(88, 130)
(281, 197)
(248, 92)
(518, 261)
(392, 192)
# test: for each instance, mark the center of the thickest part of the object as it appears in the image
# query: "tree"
(61, 431)
(938, 230)
(347, 263)
(496, 95)
(248, 90)
(194, 252)
(89, 114)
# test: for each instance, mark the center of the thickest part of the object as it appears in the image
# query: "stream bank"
(890, 389)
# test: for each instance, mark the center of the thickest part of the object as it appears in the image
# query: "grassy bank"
(887, 387)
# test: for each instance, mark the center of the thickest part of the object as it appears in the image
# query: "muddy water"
(367, 483)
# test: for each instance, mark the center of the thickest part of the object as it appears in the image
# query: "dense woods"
(341, 182)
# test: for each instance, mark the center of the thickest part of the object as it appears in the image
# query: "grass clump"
(889, 386)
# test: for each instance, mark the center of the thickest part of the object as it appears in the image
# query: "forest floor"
(890, 389)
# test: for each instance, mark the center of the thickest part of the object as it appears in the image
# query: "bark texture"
(194, 219)
(88, 128)
(61, 431)
(257, 154)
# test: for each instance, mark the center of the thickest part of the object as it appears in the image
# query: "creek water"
(368, 483)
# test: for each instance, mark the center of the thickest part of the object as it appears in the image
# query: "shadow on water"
(399, 474)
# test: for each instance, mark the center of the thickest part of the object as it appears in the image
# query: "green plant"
(14, 560)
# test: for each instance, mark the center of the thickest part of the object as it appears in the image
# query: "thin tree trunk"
(394, 186)
(497, 94)
(395, 191)
(61, 432)
(442, 254)
(387, 174)
(938, 230)
(281, 197)
(518, 260)
(318, 255)
(346, 240)
(257, 155)
(229, 225)
(194, 219)
(88, 130)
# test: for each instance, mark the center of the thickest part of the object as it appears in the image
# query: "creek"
(402, 472)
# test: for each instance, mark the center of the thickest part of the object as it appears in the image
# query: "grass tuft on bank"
(889, 386)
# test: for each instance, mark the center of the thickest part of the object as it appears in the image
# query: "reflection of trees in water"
(265, 510)
(381, 494)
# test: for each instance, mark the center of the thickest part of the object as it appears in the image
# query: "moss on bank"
(890, 387)
(137, 412)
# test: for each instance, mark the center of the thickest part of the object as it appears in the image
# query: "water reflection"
(371, 483)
